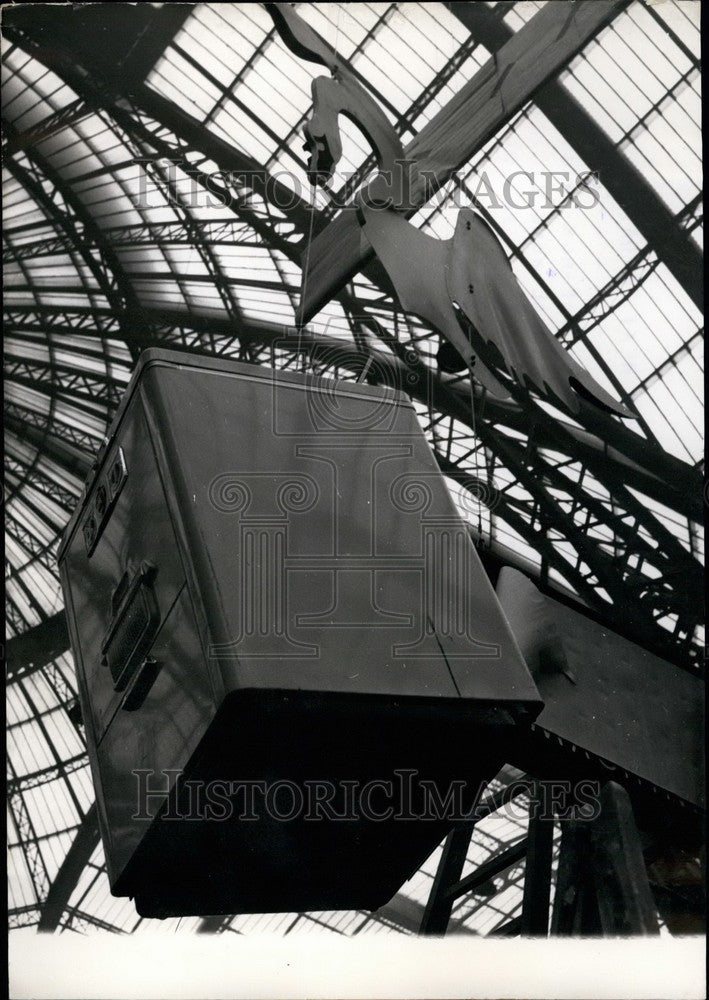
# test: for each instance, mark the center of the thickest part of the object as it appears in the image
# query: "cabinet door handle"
(142, 682)
(133, 627)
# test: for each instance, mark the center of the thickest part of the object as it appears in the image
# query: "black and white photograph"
(355, 496)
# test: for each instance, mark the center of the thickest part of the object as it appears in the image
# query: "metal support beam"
(537, 871)
(602, 884)
(78, 856)
(37, 647)
(495, 866)
(439, 906)
(447, 884)
(137, 34)
(623, 892)
(67, 455)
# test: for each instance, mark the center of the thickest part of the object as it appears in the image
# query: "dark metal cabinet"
(267, 582)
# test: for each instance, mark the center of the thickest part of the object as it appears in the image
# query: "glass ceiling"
(117, 235)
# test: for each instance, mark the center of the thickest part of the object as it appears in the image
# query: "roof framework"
(138, 212)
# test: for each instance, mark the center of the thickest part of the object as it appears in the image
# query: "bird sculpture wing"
(416, 264)
(465, 288)
(506, 332)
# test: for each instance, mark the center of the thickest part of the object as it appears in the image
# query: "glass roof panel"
(520, 13)
(640, 82)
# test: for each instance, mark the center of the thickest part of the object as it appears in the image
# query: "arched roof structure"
(158, 196)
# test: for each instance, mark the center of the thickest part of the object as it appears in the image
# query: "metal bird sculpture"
(464, 287)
